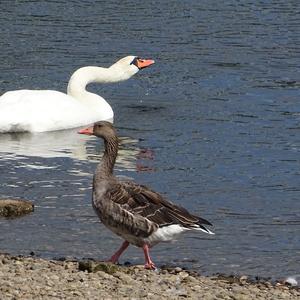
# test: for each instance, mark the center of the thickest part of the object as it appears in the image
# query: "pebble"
(183, 275)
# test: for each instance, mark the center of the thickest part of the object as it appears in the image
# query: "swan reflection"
(69, 144)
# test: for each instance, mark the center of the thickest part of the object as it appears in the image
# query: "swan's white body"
(47, 110)
(38, 111)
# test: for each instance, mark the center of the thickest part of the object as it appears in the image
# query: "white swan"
(48, 110)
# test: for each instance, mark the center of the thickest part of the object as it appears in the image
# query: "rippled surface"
(214, 125)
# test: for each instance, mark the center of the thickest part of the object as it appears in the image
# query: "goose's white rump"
(48, 110)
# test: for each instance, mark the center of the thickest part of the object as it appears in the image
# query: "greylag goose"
(139, 215)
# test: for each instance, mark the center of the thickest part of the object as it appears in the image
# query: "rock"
(243, 278)
(92, 266)
(177, 269)
(54, 277)
(5, 260)
(108, 268)
(192, 280)
(183, 275)
(237, 289)
(86, 266)
(177, 292)
(124, 277)
(11, 208)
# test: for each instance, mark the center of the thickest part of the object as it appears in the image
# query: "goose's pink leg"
(116, 256)
(149, 264)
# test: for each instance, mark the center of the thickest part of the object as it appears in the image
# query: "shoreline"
(30, 277)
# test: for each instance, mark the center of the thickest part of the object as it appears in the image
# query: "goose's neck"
(106, 167)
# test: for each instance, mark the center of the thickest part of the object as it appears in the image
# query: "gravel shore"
(35, 278)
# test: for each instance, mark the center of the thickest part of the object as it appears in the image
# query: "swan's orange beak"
(87, 131)
(144, 63)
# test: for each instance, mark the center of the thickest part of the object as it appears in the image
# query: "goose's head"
(130, 65)
(101, 129)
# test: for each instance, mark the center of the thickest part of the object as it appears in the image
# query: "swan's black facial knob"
(142, 63)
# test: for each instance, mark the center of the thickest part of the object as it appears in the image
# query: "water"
(214, 125)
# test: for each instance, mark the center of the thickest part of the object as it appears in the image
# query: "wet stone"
(11, 208)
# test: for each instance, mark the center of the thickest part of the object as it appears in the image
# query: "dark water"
(214, 125)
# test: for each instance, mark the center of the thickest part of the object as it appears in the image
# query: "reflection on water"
(66, 143)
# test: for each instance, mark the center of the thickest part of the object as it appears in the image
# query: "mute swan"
(141, 216)
(48, 110)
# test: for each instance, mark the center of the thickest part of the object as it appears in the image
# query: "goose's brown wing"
(140, 200)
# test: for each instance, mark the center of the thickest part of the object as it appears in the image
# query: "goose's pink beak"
(87, 131)
(144, 63)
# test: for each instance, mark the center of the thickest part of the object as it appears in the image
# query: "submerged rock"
(11, 208)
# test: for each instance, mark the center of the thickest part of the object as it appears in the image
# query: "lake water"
(214, 125)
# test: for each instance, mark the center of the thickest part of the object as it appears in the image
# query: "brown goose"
(142, 217)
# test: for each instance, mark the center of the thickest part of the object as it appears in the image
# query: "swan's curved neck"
(106, 167)
(83, 76)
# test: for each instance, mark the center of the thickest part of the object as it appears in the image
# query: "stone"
(124, 277)
(243, 278)
(183, 275)
(92, 266)
(11, 208)
(5, 260)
